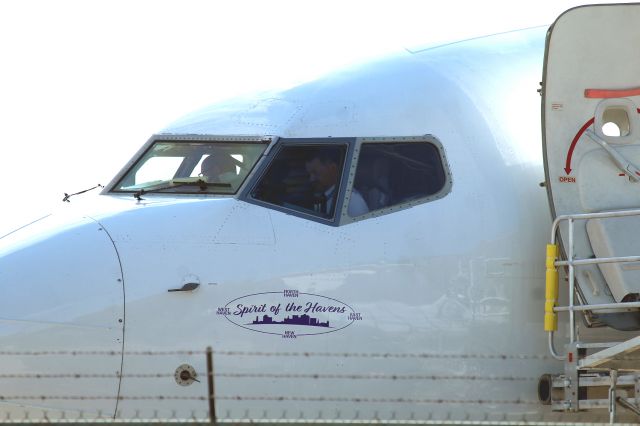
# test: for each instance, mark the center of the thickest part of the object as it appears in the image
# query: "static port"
(185, 375)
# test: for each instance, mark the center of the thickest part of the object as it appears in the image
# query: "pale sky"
(84, 83)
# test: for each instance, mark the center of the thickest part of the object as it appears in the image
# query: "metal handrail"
(584, 216)
(599, 307)
(571, 263)
(598, 260)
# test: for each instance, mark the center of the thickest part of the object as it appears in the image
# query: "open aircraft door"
(591, 136)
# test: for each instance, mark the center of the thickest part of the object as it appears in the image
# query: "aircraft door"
(591, 136)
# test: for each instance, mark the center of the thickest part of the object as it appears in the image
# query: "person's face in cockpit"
(322, 174)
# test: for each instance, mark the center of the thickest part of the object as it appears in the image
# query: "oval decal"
(289, 313)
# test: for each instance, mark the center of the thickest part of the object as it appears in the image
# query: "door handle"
(186, 287)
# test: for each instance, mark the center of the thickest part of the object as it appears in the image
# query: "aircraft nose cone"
(62, 291)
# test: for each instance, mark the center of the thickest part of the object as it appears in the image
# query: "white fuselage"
(452, 287)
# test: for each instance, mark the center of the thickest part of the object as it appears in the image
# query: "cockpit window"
(192, 167)
(337, 182)
(394, 173)
(304, 178)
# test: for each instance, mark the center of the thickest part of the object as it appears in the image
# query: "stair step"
(604, 380)
(587, 404)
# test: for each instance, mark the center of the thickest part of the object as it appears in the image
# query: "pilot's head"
(215, 166)
(323, 170)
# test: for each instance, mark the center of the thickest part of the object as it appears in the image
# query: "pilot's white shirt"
(357, 205)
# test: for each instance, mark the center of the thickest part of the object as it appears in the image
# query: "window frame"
(112, 187)
(444, 191)
(341, 216)
(283, 143)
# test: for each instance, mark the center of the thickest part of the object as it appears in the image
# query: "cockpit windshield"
(192, 167)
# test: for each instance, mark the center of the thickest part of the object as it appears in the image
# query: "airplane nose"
(62, 306)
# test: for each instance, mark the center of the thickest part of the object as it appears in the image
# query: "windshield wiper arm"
(67, 196)
(200, 183)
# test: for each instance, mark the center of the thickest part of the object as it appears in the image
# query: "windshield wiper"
(203, 184)
(67, 196)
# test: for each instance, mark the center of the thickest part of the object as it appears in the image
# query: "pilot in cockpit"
(219, 167)
(324, 174)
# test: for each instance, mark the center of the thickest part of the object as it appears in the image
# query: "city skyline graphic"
(303, 319)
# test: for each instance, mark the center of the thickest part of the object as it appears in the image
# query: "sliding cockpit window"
(394, 173)
(192, 167)
(305, 179)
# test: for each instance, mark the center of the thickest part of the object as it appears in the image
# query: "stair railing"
(553, 261)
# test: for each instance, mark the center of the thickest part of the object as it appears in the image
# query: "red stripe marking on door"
(610, 93)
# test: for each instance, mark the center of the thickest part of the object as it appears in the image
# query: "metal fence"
(531, 408)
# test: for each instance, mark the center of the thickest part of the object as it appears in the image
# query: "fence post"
(211, 395)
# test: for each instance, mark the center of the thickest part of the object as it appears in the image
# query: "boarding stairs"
(597, 375)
